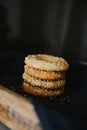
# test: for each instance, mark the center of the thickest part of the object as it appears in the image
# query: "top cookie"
(46, 62)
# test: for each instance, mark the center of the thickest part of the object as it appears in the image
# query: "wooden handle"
(16, 112)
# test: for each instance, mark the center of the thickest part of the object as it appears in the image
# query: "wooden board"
(16, 112)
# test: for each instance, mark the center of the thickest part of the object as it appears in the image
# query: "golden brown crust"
(44, 83)
(37, 91)
(46, 62)
(45, 75)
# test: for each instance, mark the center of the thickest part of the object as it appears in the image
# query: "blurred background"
(57, 27)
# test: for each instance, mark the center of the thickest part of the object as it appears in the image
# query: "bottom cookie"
(37, 91)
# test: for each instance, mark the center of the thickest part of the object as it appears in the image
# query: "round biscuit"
(38, 91)
(45, 75)
(44, 83)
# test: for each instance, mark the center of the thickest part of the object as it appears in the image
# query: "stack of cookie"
(44, 75)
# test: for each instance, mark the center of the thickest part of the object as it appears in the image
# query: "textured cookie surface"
(37, 91)
(45, 75)
(46, 62)
(44, 83)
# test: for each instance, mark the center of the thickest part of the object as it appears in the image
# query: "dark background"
(57, 27)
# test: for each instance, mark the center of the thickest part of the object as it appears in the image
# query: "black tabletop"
(68, 111)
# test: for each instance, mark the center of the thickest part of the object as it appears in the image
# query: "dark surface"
(3, 127)
(68, 111)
